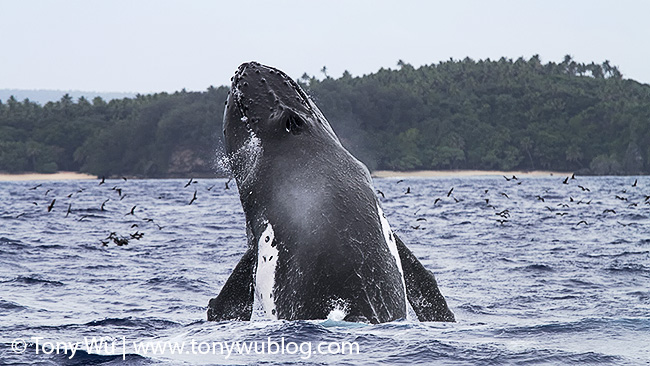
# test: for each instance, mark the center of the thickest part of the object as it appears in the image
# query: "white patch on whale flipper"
(267, 259)
(392, 246)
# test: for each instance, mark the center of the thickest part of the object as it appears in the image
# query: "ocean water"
(564, 281)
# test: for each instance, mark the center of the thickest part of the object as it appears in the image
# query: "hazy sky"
(165, 45)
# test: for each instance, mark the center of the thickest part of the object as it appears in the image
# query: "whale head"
(268, 113)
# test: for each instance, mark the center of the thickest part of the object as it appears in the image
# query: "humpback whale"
(318, 241)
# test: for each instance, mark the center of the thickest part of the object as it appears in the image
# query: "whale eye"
(293, 124)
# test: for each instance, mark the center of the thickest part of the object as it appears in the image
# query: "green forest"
(459, 114)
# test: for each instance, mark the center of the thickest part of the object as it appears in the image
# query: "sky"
(146, 46)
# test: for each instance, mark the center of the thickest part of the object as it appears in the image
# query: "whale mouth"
(237, 94)
(238, 99)
(265, 101)
(257, 79)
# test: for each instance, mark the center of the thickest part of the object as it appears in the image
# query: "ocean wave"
(29, 280)
(11, 306)
(628, 267)
(8, 241)
(615, 255)
(133, 322)
(536, 268)
(80, 358)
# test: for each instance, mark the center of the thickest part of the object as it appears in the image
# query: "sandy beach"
(462, 173)
(376, 174)
(37, 176)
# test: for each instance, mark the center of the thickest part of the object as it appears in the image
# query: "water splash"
(340, 310)
(243, 161)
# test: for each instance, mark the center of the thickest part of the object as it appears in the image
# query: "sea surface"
(563, 281)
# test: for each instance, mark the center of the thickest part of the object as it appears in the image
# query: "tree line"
(157, 135)
(459, 114)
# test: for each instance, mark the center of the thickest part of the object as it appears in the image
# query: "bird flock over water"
(51, 204)
(497, 200)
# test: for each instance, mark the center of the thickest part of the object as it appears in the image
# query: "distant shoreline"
(464, 173)
(6, 177)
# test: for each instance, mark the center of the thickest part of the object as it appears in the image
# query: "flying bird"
(49, 208)
(189, 182)
(381, 193)
(132, 212)
(193, 198)
(449, 193)
(504, 213)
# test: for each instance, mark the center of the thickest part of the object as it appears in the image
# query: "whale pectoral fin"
(235, 301)
(421, 288)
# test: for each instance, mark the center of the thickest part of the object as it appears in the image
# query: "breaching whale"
(318, 240)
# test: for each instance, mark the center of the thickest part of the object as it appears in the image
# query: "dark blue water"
(538, 287)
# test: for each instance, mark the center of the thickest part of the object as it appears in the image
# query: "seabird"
(49, 208)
